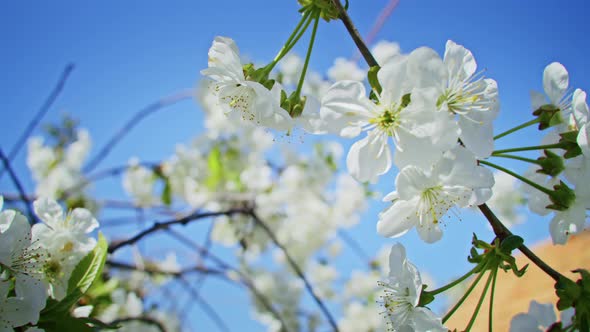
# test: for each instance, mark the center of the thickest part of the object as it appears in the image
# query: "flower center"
(388, 120)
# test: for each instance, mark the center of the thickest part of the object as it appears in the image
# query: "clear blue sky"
(130, 53)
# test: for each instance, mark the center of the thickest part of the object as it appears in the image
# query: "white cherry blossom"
(402, 294)
(423, 197)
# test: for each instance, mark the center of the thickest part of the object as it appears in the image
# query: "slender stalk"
(479, 303)
(19, 187)
(521, 178)
(509, 156)
(529, 148)
(297, 270)
(285, 49)
(460, 302)
(355, 35)
(517, 128)
(40, 113)
(316, 17)
(491, 315)
(455, 282)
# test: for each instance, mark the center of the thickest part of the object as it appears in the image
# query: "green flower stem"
(455, 282)
(528, 160)
(517, 128)
(490, 315)
(292, 40)
(316, 17)
(481, 298)
(529, 148)
(469, 290)
(521, 178)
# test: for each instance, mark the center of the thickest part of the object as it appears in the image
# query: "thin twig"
(355, 35)
(19, 187)
(297, 270)
(244, 279)
(140, 115)
(143, 319)
(166, 224)
(205, 306)
(40, 113)
(151, 270)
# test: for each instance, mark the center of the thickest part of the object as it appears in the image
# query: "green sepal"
(166, 196)
(406, 99)
(326, 7)
(549, 116)
(569, 140)
(551, 164)
(510, 243)
(64, 323)
(562, 197)
(425, 297)
(567, 291)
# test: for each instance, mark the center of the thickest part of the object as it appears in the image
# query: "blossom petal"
(345, 106)
(398, 218)
(459, 61)
(555, 81)
(48, 210)
(426, 320)
(368, 158)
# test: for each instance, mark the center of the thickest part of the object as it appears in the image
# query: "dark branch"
(297, 270)
(244, 279)
(151, 270)
(166, 224)
(40, 113)
(21, 191)
(140, 115)
(143, 319)
(206, 307)
(356, 36)
(502, 232)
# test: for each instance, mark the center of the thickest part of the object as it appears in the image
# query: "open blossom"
(403, 113)
(66, 240)
(239, 97)
(423, 197)
(139, 182)
(402, 295)
(21, 261)
(465, 93)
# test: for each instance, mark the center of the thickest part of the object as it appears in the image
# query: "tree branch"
(40, 113)
(143, 319)
(355, 35)
(140, 115)
(166, 224)
(502, 232)
(21, 191)
(297, 270)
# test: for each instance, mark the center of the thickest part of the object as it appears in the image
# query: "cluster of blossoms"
(569, 164)
(37, 262)
(425, 104)
(432, 117)
(57, 168)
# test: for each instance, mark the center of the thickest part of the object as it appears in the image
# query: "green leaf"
(373, 81)
(167, 193)
(215, 168)
(89, 267)
(64, 323)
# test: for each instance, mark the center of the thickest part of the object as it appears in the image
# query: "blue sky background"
(130, 53)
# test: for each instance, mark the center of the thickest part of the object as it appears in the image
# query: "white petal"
(459, 61)
(537, 100)
(368, 158)
(48, 210)
(477, 133)
(426, 320)
(82, 221)
(426, 69)
(429, 232)
(398, 218)
(225, 58)
(345, 106)
(555, 81)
